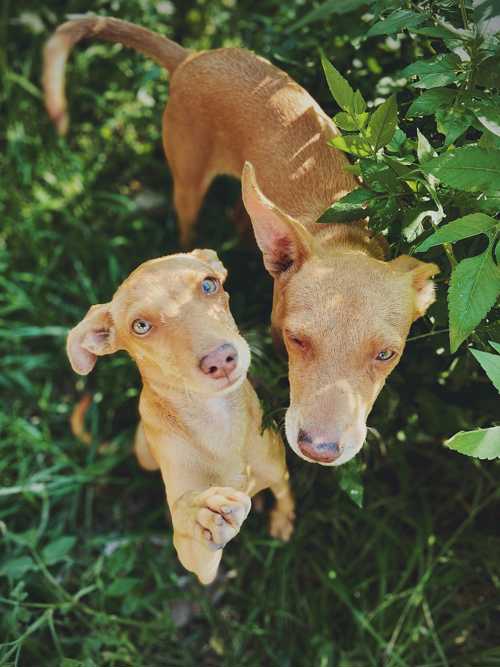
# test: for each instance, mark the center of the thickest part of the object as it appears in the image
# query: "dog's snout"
(318, 449)
(220, 362)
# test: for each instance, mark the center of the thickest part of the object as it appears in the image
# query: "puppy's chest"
(219, 433)
(216, 423)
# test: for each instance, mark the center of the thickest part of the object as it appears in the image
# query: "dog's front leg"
(204, 522)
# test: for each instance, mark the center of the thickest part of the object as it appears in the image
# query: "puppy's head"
(172, 316)
(343, 316)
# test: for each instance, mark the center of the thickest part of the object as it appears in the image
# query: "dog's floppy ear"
(210, 257)
(283, 241)
(92, 337)
(421, 273)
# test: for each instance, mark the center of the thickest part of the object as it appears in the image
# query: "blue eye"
(210, 286)
(141, 327)
(385, 355)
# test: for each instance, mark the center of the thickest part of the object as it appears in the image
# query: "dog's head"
(172, 316)
(344, 318)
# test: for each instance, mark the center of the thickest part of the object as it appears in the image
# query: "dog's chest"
(217, 424)
(220, 435)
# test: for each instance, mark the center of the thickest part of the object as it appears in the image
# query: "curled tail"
(155, 46)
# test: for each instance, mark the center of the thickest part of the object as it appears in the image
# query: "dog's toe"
(222, 515)
(281, 524)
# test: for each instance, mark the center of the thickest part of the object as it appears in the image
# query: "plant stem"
(447, 246)
(463, 12)
(449, 253)
(426, 335)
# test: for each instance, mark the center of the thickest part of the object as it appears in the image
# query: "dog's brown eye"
(385, 355)
(209, 286)
(141, 327)
(296, 341)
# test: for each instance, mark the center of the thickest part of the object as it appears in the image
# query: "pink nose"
(220, 362)
(317, 449)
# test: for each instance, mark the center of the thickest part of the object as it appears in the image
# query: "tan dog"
(343, 313)
(201, 419)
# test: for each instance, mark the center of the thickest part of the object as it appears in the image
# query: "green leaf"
(437, 79)
(488, 74)
(379, 176)
(489, 140)
(340, 89)
(382, 124)
(17, 567)
(122, 586)
(397, 142)
(382, 213)
(357, 196)
(482, 444)
(351, 481)
(438, 32)
(352, 169)
(359, 103)
(436, 72)
(424, 149)
(495, 346)
(349, 207)
(343, 213)
(352, 144)
(346, 122)
(488, 116)
(489, 202)
(491, 365)
(453, 123)
(326, 9)
(400, 167)
(474, 288)
(462, 228)
(57, 550)
(487, 16)
(443, 63)
(395, 22)
(431, 100)
(469, 168)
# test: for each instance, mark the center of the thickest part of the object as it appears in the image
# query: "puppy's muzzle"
(317, 449)
(221, 362)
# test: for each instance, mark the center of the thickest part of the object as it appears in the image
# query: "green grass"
(88, 574)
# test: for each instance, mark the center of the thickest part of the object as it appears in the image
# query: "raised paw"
(281, 523)
(221, 513)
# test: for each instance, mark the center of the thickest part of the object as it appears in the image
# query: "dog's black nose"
(220, 362)
(318, 449)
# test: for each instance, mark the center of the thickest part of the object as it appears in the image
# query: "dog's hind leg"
(187, 201)
(142, 451)
(268, 470)
(188, 151)
(283, 513)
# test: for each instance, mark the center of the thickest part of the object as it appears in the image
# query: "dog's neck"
(192, 416)
(346, 238)
(177, 401)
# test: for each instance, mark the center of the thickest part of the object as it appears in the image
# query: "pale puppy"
(200, 418)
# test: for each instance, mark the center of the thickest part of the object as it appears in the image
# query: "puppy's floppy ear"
(421, 274)
(210, 257)
(283, 241)
(93, 337)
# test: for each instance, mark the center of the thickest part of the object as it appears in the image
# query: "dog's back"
(226, 106)
(243, 108)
